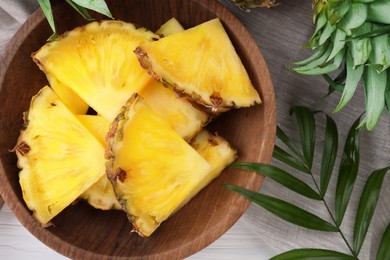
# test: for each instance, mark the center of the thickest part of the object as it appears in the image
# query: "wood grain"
(82, 232)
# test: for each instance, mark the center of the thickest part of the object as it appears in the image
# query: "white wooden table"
(238, 243)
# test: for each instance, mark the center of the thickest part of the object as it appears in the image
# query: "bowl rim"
(70, 250)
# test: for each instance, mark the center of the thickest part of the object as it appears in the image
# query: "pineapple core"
(153, 170)
(59, 158)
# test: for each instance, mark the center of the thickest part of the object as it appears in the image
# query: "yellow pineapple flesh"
(101, 195)
(59, 158)
(201, 64)
(68, 96)
(153, 170)
(170, 27)
(97, 62)
(184, 118)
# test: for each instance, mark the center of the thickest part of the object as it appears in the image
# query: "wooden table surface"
(280, 32)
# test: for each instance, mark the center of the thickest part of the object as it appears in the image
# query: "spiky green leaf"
(81, 10)
(355, 17)
(353, 77)
(375, 86)
(99, 6)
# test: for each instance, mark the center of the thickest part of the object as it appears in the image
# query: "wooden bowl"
(83, 232)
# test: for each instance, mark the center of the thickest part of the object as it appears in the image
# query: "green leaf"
(317, 62)
(348, 171)
(380, 54)
(46, 8)
(378, 12)
(373, 33)
(315, 56)
(99, 6)
(326, 33)
(361, 49)
(333, 86)
(280, 176)
(375, 86)
(309, 254)
(353, 77)
(340, 8)
(387, 93)
(307, 128)
(327, 67)
(288, 159)
(367, 205)
(337, 83)
(338, 43)
(284, 138)
(355, 17)
(384, 247)
(329, 154)
(81, 10)
(285, 210)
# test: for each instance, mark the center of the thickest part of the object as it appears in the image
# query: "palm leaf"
(307, 128)
(315, 254)
(384, 247)
(348, 171)
(367, 205)
(280, 176)
(285, 210)
(290, 160)
(329, 154)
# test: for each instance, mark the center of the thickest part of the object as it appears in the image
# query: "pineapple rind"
(97, 62)
(215, 77)
(58, 157)
(153, 170)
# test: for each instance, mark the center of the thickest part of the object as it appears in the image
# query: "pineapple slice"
(184, 118)
(171, 26)
(101, 195)
(201, 64)
(216, 150)
(58, 157)
(97, 125)
(153, 170)
(97, 62)
(68, 97)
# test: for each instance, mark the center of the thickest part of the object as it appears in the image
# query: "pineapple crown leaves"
(352, 36)
(301, 159)
(81, 6)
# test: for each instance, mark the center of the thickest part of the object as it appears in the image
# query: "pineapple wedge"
(201, 64)
(97, 62)
(58, 157)
(184, 118)
(101, 195)
(216, 150)
(153, 170)
(171, 26)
